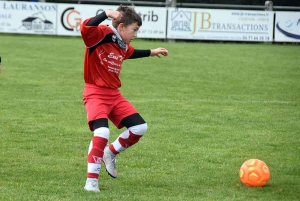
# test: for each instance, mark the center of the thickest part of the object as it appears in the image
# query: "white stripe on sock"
(94, 168)
(118, 147)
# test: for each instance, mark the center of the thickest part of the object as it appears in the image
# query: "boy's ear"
(121, 26)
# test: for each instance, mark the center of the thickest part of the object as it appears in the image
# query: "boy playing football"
(106, 48)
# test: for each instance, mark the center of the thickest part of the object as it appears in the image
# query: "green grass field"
(209, 108)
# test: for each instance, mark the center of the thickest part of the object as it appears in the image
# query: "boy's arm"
(146, 53)
(140, 53)
(95, 21)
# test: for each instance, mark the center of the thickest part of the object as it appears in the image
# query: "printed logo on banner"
(70, 19)
(28, 17)
(37, 22)
(5, 15)
(290, 28)
(4, 20)
(25, 6)
(181, 21)
(211, 24)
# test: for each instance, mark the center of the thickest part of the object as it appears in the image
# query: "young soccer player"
(106, 48)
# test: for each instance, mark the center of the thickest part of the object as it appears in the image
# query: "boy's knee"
(139, 129)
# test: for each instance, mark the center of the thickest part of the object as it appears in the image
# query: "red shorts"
(106, 103)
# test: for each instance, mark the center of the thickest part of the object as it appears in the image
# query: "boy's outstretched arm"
(159, 51)
(146, 53)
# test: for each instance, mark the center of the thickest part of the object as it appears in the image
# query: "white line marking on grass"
(143, 100)
(215, 101)
(267, 102)
(47, 101)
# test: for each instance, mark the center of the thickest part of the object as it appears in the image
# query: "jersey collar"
(121, 43)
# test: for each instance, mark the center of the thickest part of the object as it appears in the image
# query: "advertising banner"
(27, 17)
(287, 27)
(70, 16)
(212, 24)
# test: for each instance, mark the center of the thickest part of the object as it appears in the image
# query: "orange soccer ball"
(254, 172)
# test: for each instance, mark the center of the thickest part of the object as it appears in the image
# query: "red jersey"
(104, 54)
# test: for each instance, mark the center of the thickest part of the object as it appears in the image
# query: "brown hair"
(129, 16)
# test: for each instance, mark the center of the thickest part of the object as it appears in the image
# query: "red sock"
(95, 156)
(125, 142)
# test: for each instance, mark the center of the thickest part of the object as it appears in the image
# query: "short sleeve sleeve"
(91, 35)
(129, 52)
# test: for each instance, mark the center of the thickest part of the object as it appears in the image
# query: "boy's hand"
(158, 51)
(115, 15)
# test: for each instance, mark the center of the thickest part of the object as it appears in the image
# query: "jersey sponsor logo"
(100, 57)
(115, 57)
(113, 62)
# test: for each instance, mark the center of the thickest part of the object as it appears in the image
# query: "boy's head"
(129, 24)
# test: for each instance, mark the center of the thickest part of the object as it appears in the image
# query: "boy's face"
(129, 32)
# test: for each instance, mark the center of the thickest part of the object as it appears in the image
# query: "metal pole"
(131, 3)
(268, 6)
(171, 3)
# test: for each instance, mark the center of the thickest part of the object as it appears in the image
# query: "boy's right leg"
(95, 153)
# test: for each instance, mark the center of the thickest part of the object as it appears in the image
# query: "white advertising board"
(287, 27)
(70, 16)
(28, 17)
(211, 24)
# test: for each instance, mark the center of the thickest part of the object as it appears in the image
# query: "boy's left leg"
(95, 153)
(136, 128)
